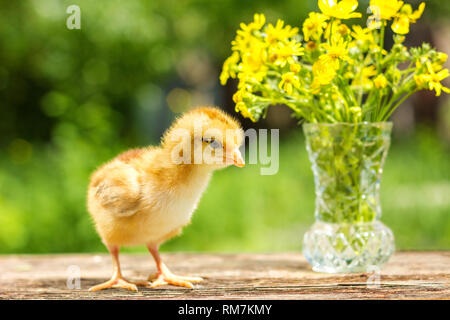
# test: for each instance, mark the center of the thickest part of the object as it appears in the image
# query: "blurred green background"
(72, 99)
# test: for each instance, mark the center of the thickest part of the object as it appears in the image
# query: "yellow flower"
(242, 41)
(314, 25)
(245, 81)
(401, 25)
(432, 80)
(242, 108)
(335, 51)
(339, 9)
(343, 30)
(258, 22)
(247, 77)
(405, 17)
(385, 9)
(228, 68)
(441, 57)
(279, 32)
(284, 52)
(323, 73)
(349, 75)
(436, 66)
(288, 82)
(253, 68)
(363, 78)
(311, 45)
(255, 55)
(339, 61)
(240, 95)
(362, 34)
(244, 37)
(380, 82)
(294, 67)
(420, 80)
(369, 71)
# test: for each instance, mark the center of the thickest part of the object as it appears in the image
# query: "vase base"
(348, 248)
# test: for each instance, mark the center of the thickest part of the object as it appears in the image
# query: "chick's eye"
(215, 144)
(212, 142)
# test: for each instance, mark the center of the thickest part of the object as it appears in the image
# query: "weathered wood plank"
(408, 275)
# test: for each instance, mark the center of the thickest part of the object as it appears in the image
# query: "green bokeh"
(72, 99)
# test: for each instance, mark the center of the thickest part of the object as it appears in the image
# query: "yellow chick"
(146, 196)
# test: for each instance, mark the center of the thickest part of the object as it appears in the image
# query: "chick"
(146, 196)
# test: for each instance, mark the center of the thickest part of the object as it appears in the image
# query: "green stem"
(331, 28)
(385, 117)
(380, 54)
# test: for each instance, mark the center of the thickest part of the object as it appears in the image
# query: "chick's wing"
(117, 189)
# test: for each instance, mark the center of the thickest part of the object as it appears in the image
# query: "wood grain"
(408, 275)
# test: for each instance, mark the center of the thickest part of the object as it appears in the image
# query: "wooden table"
(408, 275)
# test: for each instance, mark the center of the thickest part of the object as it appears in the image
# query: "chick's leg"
(165, 276)
(117, 280)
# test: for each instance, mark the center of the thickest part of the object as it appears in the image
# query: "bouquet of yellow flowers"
(334, 72)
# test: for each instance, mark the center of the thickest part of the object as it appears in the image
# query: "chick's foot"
(117, 282)
(167, 277)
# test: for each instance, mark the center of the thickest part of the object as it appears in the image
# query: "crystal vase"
(347, 162)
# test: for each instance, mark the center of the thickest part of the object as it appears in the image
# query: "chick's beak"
(235, 158)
